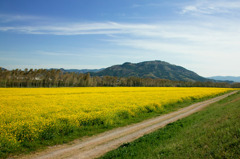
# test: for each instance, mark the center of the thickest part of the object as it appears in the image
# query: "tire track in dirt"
(96, 146)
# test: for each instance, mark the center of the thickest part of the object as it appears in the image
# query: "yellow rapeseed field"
(29, 114)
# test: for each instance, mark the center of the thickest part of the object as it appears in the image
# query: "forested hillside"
(152, 69)
(58, 78)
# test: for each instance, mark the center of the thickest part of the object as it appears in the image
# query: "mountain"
(1, 68)
(226, 78)
(151, 69)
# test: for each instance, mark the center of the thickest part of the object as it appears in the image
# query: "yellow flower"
(29, 114)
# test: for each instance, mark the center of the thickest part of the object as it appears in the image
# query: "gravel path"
(96, 146)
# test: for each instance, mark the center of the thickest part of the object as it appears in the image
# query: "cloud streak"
(182, 32)
(211, 7)
(195, 38)
(79, 28)
(6, 18)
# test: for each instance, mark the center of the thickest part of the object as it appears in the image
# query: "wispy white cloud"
(6, 18)
(203, 32)
(211, 7)
(79, 28)
(207, 38)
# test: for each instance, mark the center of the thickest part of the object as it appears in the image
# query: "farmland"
(32, 115)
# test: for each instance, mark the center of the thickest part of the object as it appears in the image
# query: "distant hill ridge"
(82, 70)
(226, 78)
(151, 69)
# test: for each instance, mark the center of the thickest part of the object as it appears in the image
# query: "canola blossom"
(29, 114)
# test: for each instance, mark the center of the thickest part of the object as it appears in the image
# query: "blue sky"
(200, 35)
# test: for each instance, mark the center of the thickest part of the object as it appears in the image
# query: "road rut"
(96, 146)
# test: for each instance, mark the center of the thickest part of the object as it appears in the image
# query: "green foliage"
(123, 75)
(211, 133)
(7, 144)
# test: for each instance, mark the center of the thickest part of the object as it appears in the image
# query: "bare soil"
(96, 146)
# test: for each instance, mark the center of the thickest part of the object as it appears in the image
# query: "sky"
(200, 35)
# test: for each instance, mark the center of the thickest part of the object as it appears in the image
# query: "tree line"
(58, 78)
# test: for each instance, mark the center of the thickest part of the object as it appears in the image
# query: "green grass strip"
(211, 133)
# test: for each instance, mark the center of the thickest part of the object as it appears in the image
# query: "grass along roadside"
(211, 133)
(95, 129)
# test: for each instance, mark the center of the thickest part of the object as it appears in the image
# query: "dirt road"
(98, 145)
